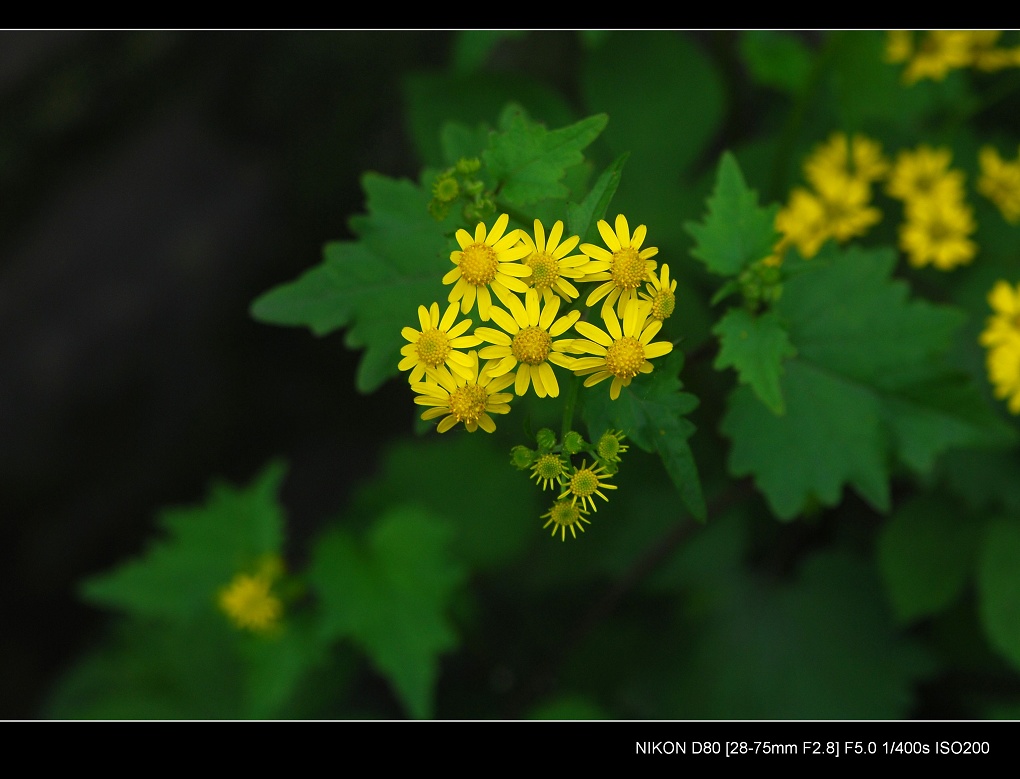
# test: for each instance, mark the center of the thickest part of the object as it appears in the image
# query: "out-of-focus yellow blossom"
(838, 158)
(1000, 183)
(925, 173)
(936, 232)
(1002, 338)
(938, 52)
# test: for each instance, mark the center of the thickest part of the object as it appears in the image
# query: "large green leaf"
(206, 546)
(390, 593)
(529, 161)
(373, 286)
(999, 587)
(869, 382)
(736, 231)
(756, 347)
(926, 553)
(652, 411)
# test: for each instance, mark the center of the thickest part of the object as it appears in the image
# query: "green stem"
(568, 406)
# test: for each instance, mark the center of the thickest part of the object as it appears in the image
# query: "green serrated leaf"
(530, 161)
(206, 546)
(736, 231)
(651, 412)
(869, 382)
(926, 552)
(756, 347)
(999, 587)
(582, 217)
(374, 286)
(390, 593)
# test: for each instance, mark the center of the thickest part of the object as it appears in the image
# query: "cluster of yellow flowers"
(841, 173)
(1002, 338)
(938, 222)
(532, 277)
(933, 53)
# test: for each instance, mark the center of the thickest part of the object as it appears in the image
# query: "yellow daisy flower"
(1004, 324)
(803, 224)
(436, 344)
(621, 353)
(526, 342)
(487, 260)
(1000, 183)
(938, 52)
(249, 602)
(565, 514)
(1004, 373)
(469, 400)
(858, 158)
(661, 293)
(548, 470)
(552, 263)
(584, 483)
(936, 231)
(623, 268)
(924, 173)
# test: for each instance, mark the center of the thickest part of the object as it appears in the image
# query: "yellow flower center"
(548, 467)
(628, 269)
(564, 513)
(662, 305)
(939, 231)
(584, 483)
(433, 348)
(531, 345)
(625, 357)
(478, 264)
(545, 271)
(467, 403)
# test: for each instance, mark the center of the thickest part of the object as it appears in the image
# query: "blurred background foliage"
(157, 182)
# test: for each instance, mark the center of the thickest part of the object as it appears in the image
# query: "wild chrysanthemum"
(623, 268)
(1004, 324)
(552, 263)
(1004, 373)
(610, 446)
(488, 260)
(469, 400)
(661, 293)
(936, 53)
(936, 233)
(924, 173)
(434, 347)
(621, 353)
(249, 602)
(548, 470)
(526, 342)
(1000, 183)
(566, 514)
(583, 483)
(802, 223)
(858, 158)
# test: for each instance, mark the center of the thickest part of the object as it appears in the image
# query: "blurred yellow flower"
(936, 233)
(1000, 183)
(249, 602)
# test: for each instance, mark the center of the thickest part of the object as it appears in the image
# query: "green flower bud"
(546, 439)
(573, 443)
(522, 457)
